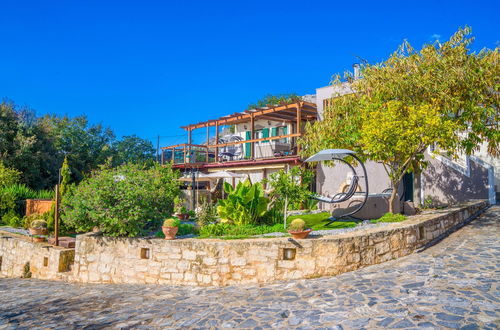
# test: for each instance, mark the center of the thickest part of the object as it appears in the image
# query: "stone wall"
(218, 262)
(45, 261)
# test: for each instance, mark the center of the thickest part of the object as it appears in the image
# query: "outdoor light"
(289, 254)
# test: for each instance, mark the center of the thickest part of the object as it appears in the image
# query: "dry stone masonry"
(214, 262)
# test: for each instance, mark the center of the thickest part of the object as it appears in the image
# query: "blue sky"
(148, 67)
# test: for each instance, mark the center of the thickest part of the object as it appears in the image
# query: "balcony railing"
(261, 148)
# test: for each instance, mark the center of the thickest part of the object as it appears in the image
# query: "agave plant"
(244, 205)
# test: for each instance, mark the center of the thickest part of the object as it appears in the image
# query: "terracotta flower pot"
(182, 216)
(38, 231)
(169, 232)
(300, 234)
(39, 239)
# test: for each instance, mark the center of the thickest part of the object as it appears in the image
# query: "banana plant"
(244, 204)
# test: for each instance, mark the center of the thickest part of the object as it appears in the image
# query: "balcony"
(258, 135)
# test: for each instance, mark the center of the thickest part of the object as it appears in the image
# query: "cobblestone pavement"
(453, 284)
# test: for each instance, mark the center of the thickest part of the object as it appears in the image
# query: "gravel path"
(454, 284)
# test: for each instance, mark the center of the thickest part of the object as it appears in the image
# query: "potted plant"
(180, 209)
(170, 228)
(38, 227)
(38, 238)
(296, 229)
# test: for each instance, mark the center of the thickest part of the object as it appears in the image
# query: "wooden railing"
(186, 153)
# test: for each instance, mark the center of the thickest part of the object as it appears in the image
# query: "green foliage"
(36, 146)
(297, 225)
(125, 201)
(27, 220)
(38, 224)
(390, 217)
(443, 94)
(27, 270)
(187, 229)
(292, 184)
(65, 177)
(311, 204)
(245, 204)
(132, 149)
(171, 222)
(26, 147)
(192, 214)
(273, 100)
(12, 197)
(207, 214)
(289, 190)
(318, 221)
(8, 176)
(21, 192)
(179, 205)
(242, 231)
(12, 219)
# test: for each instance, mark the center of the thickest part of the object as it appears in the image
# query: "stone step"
(67, 242)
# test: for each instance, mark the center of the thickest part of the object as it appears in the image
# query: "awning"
(330, 154)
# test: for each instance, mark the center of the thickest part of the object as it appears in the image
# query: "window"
(278, 131)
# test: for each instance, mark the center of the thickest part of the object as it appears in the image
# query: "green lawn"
(318, 221)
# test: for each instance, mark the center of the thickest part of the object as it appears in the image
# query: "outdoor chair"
(339, 155)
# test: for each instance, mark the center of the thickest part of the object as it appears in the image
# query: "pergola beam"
(242, 117)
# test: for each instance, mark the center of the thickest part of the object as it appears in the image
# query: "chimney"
(356, 69)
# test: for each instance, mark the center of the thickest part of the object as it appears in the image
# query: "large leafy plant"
(245, 204)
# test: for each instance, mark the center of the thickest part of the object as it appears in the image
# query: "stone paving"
(453, 284)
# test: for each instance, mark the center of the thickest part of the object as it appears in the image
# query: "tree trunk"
(393, 197)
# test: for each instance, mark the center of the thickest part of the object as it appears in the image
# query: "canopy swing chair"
(356, 205)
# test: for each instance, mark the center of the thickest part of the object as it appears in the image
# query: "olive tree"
(443, 94)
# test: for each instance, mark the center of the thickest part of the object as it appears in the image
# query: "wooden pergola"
(296, 112)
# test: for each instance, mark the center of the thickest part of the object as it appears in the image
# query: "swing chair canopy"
(330, 154)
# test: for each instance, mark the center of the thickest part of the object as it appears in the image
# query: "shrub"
(207, 214)
(179, 205)
(289, 190)
(186, 229)
(244, 205)
(8, 176)
(171, 222)
(27, 220)
(128, 200)
(12, 219)
(297, 225)
(390, 217)
(226, 229)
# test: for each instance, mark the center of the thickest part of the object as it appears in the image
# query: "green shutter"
(285, 132)
(248, 146)
(265, 133)
(274, 131)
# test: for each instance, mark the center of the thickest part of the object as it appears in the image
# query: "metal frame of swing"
(342, 197)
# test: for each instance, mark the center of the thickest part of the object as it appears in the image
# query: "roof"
(286, 112)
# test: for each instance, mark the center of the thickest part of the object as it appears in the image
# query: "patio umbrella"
(224, 174)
